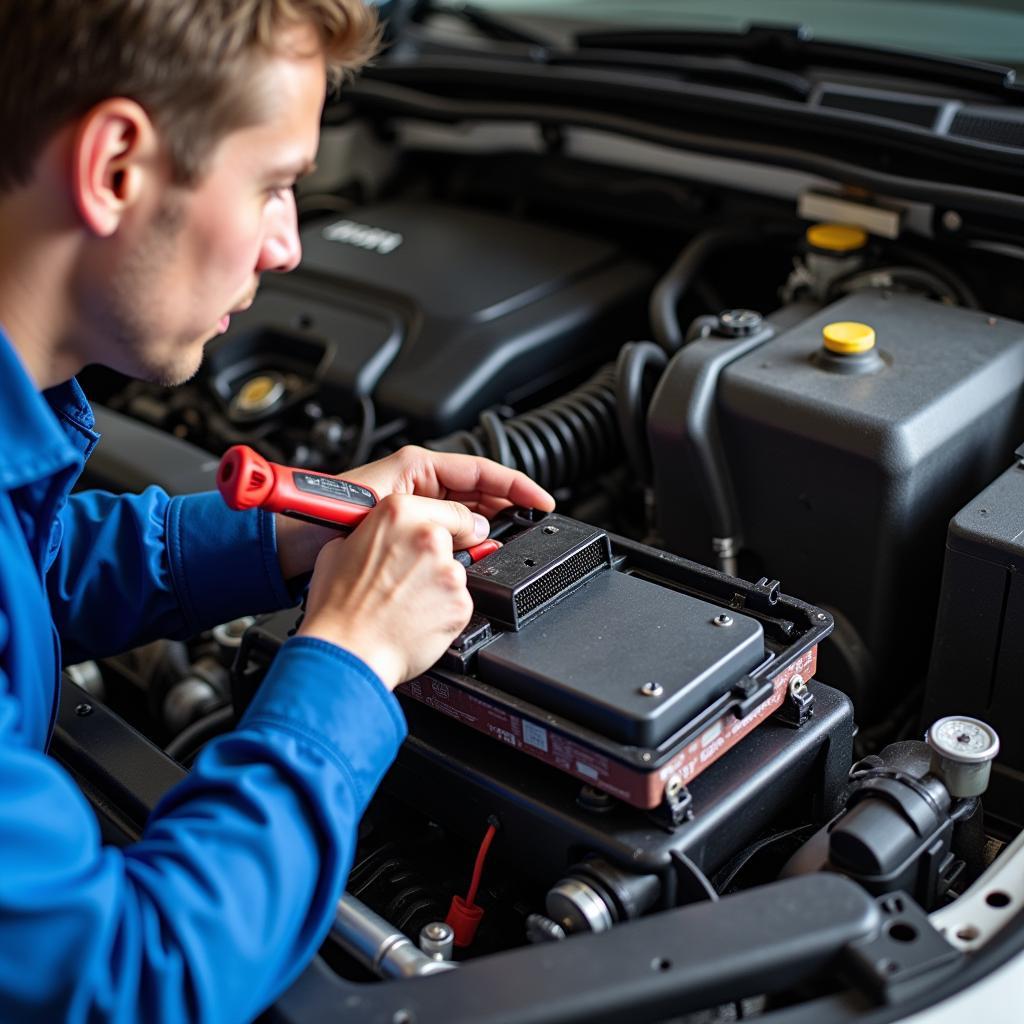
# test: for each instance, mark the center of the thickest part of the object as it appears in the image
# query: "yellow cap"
(258, 393)
(836, 237)
(847, 337)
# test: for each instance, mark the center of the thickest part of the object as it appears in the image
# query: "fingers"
(465, 528)
(392, 594)
(448, 474)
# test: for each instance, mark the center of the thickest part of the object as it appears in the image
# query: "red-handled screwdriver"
(247, 480)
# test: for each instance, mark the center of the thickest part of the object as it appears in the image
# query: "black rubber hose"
(188, 742)
(580, 434)
(638, 363)
(573, 438)
(676, 281)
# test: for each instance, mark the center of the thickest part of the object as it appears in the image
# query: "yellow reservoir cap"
(848, 338)
(838, 238)
(259, 393)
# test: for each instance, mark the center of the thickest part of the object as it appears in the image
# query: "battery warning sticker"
(535, 736)
(637, 786)
(332, 487)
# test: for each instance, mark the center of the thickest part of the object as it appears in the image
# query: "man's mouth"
(225, 321)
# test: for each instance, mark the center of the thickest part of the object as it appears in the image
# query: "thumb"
(467, 528)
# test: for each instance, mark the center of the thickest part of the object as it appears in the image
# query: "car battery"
(627, 669)
(834, 461)
(611, 698)
(977, 663)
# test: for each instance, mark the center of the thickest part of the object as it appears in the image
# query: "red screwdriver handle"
(247, 480)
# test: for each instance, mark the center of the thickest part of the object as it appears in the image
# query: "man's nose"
(281, 249)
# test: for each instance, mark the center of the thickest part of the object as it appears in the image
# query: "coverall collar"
(42, 433)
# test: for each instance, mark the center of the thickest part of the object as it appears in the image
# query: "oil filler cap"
(848, 338)
(838, 239)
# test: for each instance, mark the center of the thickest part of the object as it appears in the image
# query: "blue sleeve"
(130, 568)
(227, 895)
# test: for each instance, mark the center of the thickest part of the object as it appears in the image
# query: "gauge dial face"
(964, 739)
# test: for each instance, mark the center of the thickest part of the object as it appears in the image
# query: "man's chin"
(179, 367)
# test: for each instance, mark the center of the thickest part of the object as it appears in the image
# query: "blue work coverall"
(232, 887)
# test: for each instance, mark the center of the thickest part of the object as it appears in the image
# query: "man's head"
(153, 143)
(188, 63)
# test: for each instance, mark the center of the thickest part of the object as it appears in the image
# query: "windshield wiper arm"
(794, 47)
(727, 70)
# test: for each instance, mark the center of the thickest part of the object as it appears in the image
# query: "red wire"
(478, 868)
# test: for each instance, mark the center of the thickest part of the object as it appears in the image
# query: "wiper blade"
(726, 70)
(791, 47)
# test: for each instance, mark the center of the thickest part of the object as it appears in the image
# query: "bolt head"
(952, 221)
(722, 620)
(83, 709)
(652, 689)
(737, 323)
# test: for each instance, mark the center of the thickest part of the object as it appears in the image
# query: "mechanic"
(149, 151)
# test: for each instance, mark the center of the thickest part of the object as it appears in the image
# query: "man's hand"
(391, 593)
(483, 486)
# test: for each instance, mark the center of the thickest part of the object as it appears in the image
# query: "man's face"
(196, 255)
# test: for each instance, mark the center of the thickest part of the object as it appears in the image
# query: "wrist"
(375, 655)
(298, 544)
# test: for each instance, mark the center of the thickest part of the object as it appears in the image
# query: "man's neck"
(35, 274)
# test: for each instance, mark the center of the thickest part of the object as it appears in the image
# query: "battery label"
(535, 736)
(332, 487)
(641, 787)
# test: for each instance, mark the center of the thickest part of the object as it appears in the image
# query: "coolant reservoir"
(848, 440)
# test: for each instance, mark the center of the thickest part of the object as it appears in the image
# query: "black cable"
(184, 747)
(961, 290)
(915, 279)
(633, 388)
(364, 442)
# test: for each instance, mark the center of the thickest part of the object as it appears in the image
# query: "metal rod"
(378, 945)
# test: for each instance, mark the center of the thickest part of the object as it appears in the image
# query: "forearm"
(232, 887)
(132, 568)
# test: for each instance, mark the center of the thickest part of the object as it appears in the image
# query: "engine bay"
(728, 726)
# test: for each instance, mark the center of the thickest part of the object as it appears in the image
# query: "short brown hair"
(188, 63)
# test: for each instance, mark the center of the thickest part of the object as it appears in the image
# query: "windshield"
(992, 30)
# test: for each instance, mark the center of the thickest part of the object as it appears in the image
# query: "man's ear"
(114, 160)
